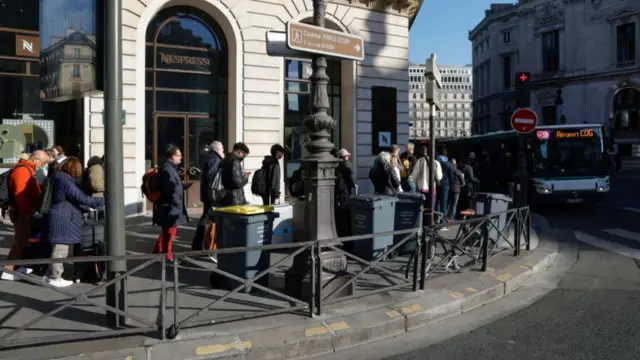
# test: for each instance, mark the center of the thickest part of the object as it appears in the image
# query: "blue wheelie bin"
(372, 214)
(408, 215)
(238, 226)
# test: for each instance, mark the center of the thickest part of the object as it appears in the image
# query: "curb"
(326, 335)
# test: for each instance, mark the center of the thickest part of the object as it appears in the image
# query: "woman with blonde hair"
(382, 175)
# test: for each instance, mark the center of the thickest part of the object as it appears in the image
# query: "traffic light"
(523, 80)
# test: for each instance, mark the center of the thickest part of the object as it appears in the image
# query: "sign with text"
(317, 40)
(180, 59)
(575, 134)
(28, 46)
(524, 120)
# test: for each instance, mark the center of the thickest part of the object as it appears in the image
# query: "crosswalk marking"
(626, 234)
(607, 245)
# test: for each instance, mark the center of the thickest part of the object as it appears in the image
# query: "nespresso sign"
(179, 59)
(187, 60)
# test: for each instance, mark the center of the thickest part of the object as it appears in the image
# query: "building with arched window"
(195, 71)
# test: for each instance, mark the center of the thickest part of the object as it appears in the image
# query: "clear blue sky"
(442, 26)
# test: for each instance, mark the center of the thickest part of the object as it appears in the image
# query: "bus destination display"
(566, 134)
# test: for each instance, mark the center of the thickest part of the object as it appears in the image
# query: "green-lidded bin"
(490, 203)
(238, 226)
(408, 216)
(372, 214)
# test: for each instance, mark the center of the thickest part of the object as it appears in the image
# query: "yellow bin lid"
(245, 209)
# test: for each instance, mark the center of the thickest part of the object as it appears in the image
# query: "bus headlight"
(542, 188)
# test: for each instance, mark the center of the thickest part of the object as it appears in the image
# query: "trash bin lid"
(370, 200)
(495, 196)
(413, 197)
(245, 209)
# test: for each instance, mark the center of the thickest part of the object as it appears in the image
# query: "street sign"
(317, 40)
(384, 139)
(277, 45)
(524, 120)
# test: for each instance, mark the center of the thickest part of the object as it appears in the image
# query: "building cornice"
(407, 8)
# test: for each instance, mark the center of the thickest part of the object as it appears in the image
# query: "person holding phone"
(234, 179)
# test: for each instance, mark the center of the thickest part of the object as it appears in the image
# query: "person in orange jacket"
(24, 186)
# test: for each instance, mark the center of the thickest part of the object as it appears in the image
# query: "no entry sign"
(524, 120)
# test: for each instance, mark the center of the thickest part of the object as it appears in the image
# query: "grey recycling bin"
(372, 214)
(238, 226)
(408, 216)
(490, 203)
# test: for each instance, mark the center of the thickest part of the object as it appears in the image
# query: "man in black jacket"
(271, 164)
(233, 178)
(210, 165)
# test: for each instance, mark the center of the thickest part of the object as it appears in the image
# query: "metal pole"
(432, 168)
(114, 168)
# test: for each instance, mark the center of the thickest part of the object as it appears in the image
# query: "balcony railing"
(625, 64)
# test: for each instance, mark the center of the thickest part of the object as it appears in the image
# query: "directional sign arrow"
(357, 48)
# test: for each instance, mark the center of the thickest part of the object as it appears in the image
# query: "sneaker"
(25, 270)
(6, 276)
(444, 229)
(58, 282)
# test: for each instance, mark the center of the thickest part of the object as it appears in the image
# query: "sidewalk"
(283, 336)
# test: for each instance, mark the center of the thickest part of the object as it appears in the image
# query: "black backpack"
(259, 182)
(6, 195)
(296, 184)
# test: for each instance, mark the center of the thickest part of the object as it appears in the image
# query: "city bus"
(565, 163)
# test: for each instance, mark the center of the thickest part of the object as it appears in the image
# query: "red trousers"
(165, 241)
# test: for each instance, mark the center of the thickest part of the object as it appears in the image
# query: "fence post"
(312, 282)
(527, 229)
(485, 244)
(518, 229)
(423, 260)
(318, 277)
(416, 262)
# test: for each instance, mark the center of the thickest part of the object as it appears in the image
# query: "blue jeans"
(453, 205)
(409, 186)
(443, 199)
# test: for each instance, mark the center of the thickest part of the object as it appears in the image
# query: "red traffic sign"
(524, 120)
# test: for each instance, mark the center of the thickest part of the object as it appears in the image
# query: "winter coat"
(420, 174)
(170, 209)
(65, 218)
(447, 172)
(384, 179)
(210, 166)
(233, 181)
(272, 166)
(458, 180)
(472, 182)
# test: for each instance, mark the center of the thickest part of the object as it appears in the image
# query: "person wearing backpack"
(170, 210)
(266, 181)
(93, 177)
(408, 161)
(21, 194)
(234, 179)
(210, 166)
(345, 188)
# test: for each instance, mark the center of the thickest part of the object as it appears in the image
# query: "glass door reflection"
(201, 132)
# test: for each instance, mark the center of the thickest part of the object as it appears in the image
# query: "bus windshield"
(568, 152)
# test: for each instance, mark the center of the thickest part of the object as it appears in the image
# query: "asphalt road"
(590, 312)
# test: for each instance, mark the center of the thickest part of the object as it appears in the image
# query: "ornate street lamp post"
(318, 169)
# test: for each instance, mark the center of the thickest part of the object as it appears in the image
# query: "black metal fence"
(433, 252)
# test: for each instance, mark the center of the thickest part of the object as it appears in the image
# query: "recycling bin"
(408, 215)
(491, 203)
(372, 214)
(238, 226)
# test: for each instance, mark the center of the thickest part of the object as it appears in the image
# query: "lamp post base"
(333, 275)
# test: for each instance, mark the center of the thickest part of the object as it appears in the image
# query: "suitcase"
(91, 244)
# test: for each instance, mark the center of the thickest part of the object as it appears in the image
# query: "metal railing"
(408, 273)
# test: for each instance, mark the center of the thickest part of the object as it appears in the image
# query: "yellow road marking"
(504, 277)
(337, 326)
(472, 290)
(321, 330)
(455, 295)
(218, 348)
(392, 313)
(411, 308)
